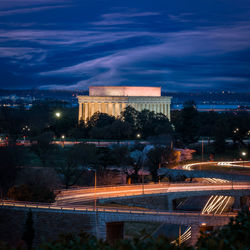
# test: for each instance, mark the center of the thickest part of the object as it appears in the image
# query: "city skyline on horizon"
(70, 45)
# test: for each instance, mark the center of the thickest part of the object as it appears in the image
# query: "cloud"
(182, 18)
(112, 19)
(135, 46)
(24, 54)
(30, 10)
(143, 62)
(12, 4)
(66, 37)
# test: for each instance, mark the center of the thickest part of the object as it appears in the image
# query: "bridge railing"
(50, 207)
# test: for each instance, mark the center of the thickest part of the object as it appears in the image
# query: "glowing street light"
(62, 140)
(138, 136)
(58, 114)
(243, 153)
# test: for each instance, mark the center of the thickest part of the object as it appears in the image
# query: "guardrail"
(107, 210)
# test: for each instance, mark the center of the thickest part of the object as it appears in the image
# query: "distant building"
(113, 100)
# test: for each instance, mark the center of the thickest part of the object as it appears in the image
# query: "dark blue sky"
(181, 45)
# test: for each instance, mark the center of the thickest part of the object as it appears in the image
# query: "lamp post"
(243, 153)
(142, 176)
(96, 228)
(138, 136)
(202, 149)
(95, 189)
(62, 140)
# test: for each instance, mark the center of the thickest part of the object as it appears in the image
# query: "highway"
(85, 195)
(236, 164)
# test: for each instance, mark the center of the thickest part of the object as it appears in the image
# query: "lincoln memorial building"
(113, 100)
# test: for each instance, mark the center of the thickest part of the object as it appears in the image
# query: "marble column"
(106, 110)
(155, 107)
(113, 109)
(169, 117)
(88, 110)
(83, 112)
(120, 108)
(80, 111)
(103, 107)
(92, 108)
(96, 107)
(99, 107)
(117, 109)
(110, 108)
(124, 105)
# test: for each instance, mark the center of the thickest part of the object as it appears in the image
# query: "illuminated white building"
(113, 100)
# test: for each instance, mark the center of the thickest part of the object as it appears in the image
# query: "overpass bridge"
(72, 212)
(103, 221)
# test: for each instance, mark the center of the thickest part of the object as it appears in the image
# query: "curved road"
(81, 196)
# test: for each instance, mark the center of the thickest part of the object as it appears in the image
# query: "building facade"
(113, 100)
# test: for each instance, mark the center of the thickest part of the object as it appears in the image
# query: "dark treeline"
(186, 126)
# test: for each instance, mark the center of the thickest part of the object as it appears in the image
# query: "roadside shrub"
(31, 193)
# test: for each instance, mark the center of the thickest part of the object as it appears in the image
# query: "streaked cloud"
(30, 10)
(122, 18)
(96, 42)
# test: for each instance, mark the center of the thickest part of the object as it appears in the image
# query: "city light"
(138, 135)
(58, 114)
(63, 136)
(243, 153)
(236, 130)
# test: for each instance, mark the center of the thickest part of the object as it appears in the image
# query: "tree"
(34, 193)
(86, 241)
(73, 162)
(12, 157)
(155, 158)
(239, 124)
(105, 157)
(145, 123)
(100, 120)
(139, 158)
(121, 155)
(129, 115)
(78, 132)
(43, 147)
(220, 134)
(235, 235)
(150, 123)
(187, 126)
(120, 130)
(162, 125)
(29, 231)
(161, 156)
(208, 122)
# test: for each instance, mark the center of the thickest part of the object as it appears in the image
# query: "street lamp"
(58, 114)
(62, 139)
(138, 136)
(243, 153)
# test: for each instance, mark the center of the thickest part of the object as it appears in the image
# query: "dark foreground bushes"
(235, 235)
(31, 193)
